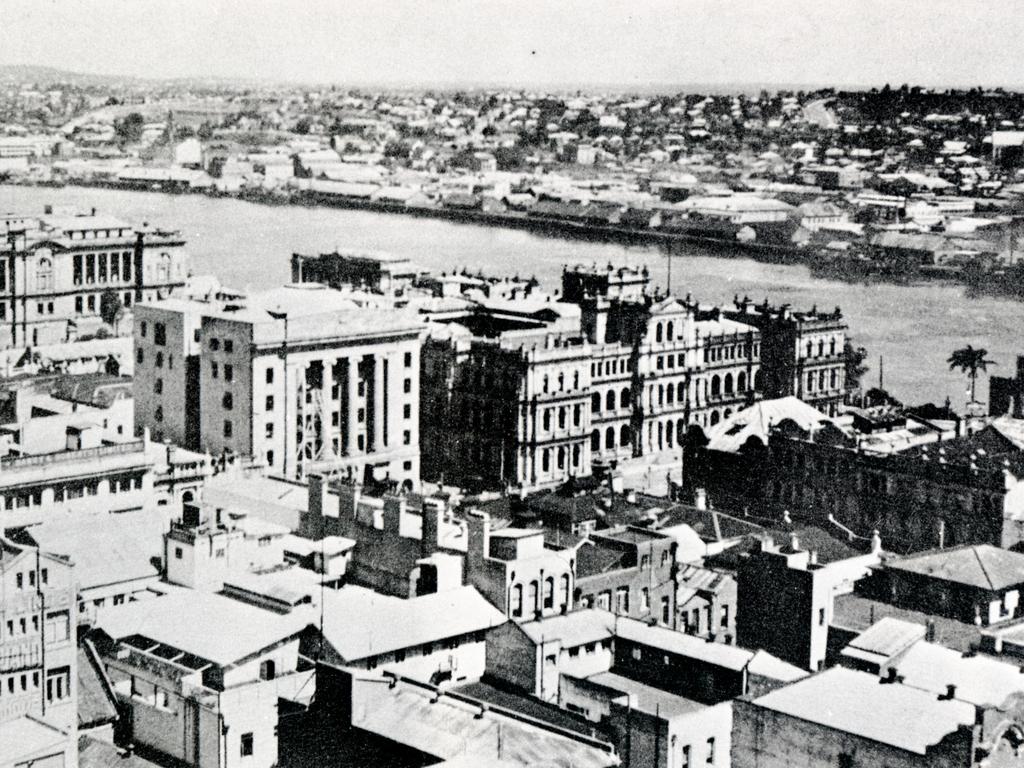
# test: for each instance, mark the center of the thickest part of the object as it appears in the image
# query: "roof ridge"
(984, 570)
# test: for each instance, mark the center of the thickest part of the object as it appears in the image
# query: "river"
(248, 246)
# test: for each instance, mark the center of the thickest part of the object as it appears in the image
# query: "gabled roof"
(982, 566)
(861, 704)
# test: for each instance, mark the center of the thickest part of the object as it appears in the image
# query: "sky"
(568, 43)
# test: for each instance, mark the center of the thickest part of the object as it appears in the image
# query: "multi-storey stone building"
(38, 652)
(54, 271)
(802, 353)
(299, 379)
(530, 393)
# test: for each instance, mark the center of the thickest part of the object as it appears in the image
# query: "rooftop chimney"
(700, 498)
(950, 693)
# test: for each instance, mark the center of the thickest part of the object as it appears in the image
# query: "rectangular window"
(666, 610)
(214, 369)
(91, 303)
(227, 429)
(406, 411)
(408, 359)
(160, 334)
(90, 268)
(270, 376)
(229, 346)
(622, 600)
(407, 386)
(645, 600)
(78, 306)
(126, 265)
(407, 437)
(711, 750)
(77, 269)
(270, 433)
(229, 372)
(246, 745)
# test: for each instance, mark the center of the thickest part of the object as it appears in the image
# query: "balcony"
(8, 463)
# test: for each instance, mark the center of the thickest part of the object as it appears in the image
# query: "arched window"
(533, 597)
(549, 592)
(609, 401)
(716, 386)
(517, 601)
(547, 419)
(595, 402)
(680, 392)
(741, 382)
(758, 380)
(658, 333)
(727, 414)
(561, 382)
(810, 349)
(561, 457)
(561, 417)
(576, 456)
(609, 437)
(576, 380)
(595, 440)
(821, 379)
(832, 347)
(44, 274)
(565, 591)
(625, 435)
(545, 385)
(661, 394)
(669, 433)
(670, 331)
(834, 378)
(670, 394)
(821, 348)
(728, 383)
(624, 398)
(661, 435)
(545, 460)
(163, 268)
(715, 418)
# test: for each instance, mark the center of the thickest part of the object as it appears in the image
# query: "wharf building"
(54, 271)
(297, 379)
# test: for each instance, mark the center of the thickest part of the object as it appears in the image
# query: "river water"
(248, 246)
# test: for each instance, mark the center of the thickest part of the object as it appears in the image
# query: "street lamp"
(280, 315)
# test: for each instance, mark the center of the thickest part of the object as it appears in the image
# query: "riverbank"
(247, 246)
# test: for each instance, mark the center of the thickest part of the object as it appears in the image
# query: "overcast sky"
(563, 42)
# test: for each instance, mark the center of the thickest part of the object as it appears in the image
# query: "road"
(816, 112)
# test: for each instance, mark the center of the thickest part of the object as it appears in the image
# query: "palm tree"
(970, 361)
